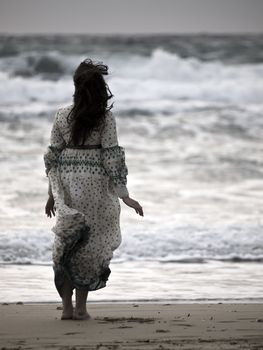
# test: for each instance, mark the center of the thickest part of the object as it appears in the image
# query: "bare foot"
(67, 314)
(81, 315)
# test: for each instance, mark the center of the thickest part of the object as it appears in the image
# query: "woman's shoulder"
(64, 109)
(61, 116)
(110, 117)
(108, 123)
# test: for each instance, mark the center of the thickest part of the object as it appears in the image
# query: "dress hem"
(62, 269)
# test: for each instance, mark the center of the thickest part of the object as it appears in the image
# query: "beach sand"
(134, 326)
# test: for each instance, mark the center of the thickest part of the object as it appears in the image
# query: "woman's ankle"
(67, 303)
(81, 308)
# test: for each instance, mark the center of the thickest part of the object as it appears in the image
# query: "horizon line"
(131, 33)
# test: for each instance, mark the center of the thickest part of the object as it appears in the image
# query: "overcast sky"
(131, 16)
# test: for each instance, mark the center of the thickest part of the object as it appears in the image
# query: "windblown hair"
(90, 100)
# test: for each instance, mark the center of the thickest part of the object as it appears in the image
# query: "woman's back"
(65, 128)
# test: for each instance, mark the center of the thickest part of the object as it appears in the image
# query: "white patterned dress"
(86, 185)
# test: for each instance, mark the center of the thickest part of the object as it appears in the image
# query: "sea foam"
(184, 243)
(146, 82)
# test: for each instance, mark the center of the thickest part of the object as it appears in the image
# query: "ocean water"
(189, 113)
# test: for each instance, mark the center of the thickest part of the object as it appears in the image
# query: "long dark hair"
(90, 100)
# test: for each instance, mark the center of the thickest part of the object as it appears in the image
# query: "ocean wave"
(46, 66)
(185, 244)
(168, 77)
(20, 91)
(158, 82)
(237, 49)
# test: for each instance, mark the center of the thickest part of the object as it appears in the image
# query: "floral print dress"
(86, 185)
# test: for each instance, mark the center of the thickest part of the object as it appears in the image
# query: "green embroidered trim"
(69, 162)
(112, 163)
(51, 157)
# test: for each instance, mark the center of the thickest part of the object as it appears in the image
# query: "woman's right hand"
(133, 204)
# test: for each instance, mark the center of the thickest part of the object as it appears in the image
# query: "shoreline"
(244, 301)
(215, 282)
(137, 326)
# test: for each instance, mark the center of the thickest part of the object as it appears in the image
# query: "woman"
(87, 176)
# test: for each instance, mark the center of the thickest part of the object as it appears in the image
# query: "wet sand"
(134, 326)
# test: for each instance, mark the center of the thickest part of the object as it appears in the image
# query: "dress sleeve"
(57, 144)
(113, 156)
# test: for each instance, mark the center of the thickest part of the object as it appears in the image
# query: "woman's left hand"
(50, 207)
